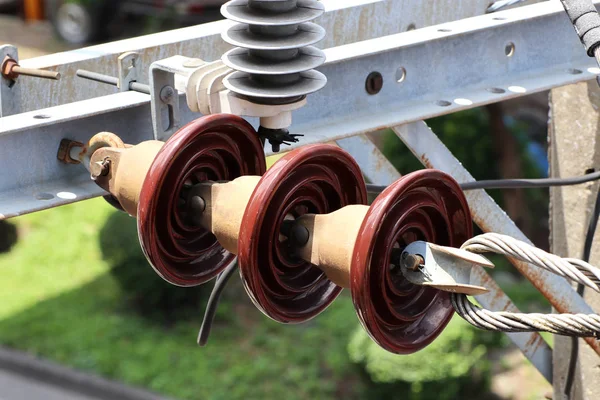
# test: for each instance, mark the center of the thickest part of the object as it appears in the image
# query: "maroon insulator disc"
(426, 205)
(218, 147)
(314, 179)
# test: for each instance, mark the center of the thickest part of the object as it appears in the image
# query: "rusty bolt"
(374, 83)
(7, 68)
(10, 69)
(64, 151)
(412, 261)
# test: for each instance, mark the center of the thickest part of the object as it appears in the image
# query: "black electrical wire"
(587, 250)
(530, 183)
(589, 237)
(213, 302)
(514, 183)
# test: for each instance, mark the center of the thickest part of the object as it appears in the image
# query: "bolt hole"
(66, 195)
(463, 102)
(590, 171)
(496, 90)
(374, 83)
(411, 27)
(574, 71)
(400, 74)
(44, 196)
(443, 103)
(41, 116)
(164, 116)
(517, 89)
(509, 49)
(444, 30)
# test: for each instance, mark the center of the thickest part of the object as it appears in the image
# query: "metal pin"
(412, 261)
(197, 205)
(111, 80)
(96, 77)
(38, 73)
(296, 233)
(12, 70)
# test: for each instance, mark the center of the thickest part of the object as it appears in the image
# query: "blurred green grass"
(58, 300)
(57, 251)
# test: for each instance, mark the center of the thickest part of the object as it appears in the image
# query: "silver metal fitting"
(444, 268)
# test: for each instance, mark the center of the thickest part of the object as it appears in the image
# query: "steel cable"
(576, 325)
(579, 325)
(572, 269)
(500, 4)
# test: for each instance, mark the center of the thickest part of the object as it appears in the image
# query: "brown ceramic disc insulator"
(315, 179)
(215, 147)
(426, 205)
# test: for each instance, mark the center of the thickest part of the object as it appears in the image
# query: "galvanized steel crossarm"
(468, 76)
(340, 20)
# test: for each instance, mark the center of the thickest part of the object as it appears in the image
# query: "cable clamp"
(444, 268)
(449, 269)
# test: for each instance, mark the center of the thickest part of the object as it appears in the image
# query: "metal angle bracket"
(444, 268)
(129, 70)
(166, 115)
(10, 92)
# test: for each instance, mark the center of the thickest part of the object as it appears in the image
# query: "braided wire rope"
(500, 4)
(579, 325)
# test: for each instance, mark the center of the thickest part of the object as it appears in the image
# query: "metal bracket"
(444, 268)
(166, 116)
(10, 93)
(129, 70)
